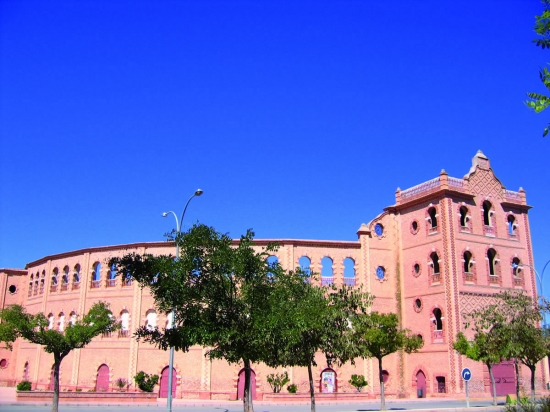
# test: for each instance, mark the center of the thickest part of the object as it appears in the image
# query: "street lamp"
(539, 278)
(198, 192)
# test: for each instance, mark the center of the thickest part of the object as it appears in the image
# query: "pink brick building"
(443, 248)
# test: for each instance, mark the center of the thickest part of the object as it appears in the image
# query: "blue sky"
(298, 119)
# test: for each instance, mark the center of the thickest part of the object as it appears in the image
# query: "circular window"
(380, 273)
(12, 289)
(417, 304)
(416, 269)
(379, 229)
(3, 363)
(414, 227)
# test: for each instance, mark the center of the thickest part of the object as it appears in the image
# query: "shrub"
(122, 384)
(24, 386)
(358, 381)
(78, 390)
(146, 382)
(292, 388)
(277, 381)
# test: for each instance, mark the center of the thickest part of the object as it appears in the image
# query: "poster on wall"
(328, 382)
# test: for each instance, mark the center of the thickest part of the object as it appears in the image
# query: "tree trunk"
(311, 387)
(493, 383)
(247, 398)
(56, 365)
(533, 369)
(382, 395)
(517, 383)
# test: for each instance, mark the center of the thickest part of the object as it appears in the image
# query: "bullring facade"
(441, 250)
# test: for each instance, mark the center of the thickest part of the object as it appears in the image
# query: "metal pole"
(467, 395)
(198, 192)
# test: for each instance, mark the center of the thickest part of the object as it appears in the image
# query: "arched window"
(432, 212)
(512, 226)
(487, 213)
(349, 272)
(61, 322)
(72, 318)
(468, 267)
(272, 262)
(42, 281)
(326, 271)
(53, 285)
(434, 266)
(76, 277)
(65, 278)
(491, 256)
(124, 323)
(151, 320)
(111, 280)
(437, 322)
(467, 261)
(517, 271)
(464, 216)
(96, 275)
(305, 264)
(31, 283)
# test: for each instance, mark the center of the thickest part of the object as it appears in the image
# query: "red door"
(420, 384)
(102, 383)
(240, 384)
(164, 383)
(504, 378)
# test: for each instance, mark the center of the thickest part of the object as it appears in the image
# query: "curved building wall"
(442, 250)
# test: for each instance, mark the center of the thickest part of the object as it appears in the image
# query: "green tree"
(220, 290)
(485, 347)
(379, 335)
(306, 319)
(17, 323)
(512, 326)
(537, 101)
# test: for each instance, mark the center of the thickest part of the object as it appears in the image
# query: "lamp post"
(198, 192)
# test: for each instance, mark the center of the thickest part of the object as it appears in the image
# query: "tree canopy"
(16, 322)
(379, 335)
(538, 101)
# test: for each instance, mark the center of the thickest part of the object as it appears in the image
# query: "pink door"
(102, 383)
(164, 383)
(504, 378)
(420, 384)
(240, 384)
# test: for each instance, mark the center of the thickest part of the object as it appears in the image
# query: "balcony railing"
(41, 291)
(421, 188)
(511, 195)
(436, 277)
(432, 229)
(30, 291)
(64, 287)
(96, 284)
(123, 333)
(76, 285)
(489, 230)
(468, 277)
(518, 281)
(494, 279)
(111, 283)
(53, 288)
(127, 282)
(349, 281)
(438, 336)
(327, 281)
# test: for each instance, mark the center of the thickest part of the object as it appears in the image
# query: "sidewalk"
(7, 397)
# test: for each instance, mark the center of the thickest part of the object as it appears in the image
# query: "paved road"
(425, 405)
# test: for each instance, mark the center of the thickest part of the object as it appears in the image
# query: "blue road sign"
(466, 374)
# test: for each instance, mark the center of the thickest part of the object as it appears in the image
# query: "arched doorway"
(163, 393)
(505, 380)
(102, 382)
(240, 384)
(420, 384)
(328, 382)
